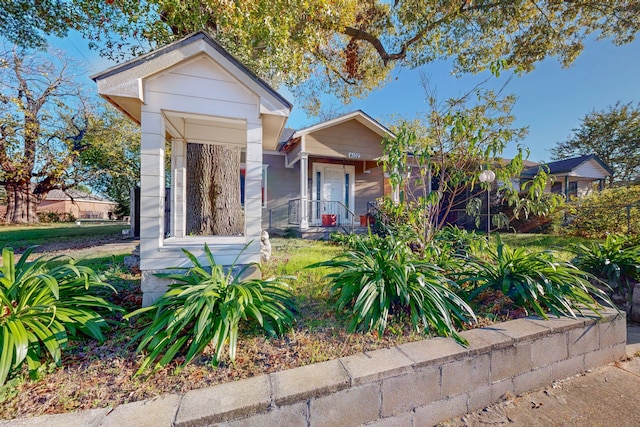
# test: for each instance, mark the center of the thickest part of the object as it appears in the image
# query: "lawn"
(21, 237)
(95, 375)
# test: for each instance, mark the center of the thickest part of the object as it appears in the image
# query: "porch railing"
(319, 214)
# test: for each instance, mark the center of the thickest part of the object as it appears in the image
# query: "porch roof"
(124, 85)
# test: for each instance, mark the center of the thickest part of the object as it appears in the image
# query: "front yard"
(99, 375)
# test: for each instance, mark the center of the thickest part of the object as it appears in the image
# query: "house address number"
(354, 155)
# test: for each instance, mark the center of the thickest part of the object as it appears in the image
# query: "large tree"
(43, 121)
(347, 47)
(613, 135)
(111, 159)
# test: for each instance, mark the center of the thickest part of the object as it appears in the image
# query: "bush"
(50, 216)
(205, 306)
(535, 281)
(380, 275)
(462, 242)
(604, 213)
(42, 304)
(616, 261)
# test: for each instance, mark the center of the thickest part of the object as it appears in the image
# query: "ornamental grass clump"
(616, 261)
(534, 281)
(378, 276)
(43, 303)
(205, 306)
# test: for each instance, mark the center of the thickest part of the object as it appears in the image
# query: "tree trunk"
(213, 191)
(21, 204)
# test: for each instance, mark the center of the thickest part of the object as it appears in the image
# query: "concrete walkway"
(608, 396)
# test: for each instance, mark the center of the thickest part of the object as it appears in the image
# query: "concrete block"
(375, 365)
(612, 333)
(510, 361)
(598, 358)
(441, 410)
(403, 420)
(224, 402)
(351, 407)
(467, 374)
(560, 324)
(89, 418)
(151, 283)
(149, 298)
(549, 349)
(483, 340)
(289, 416)
(434, 351)
(479, 398)
(306, 382)
(160, 411)
(532, 380)
(567, 368)
(403, 393)
(500, 388)
(582, 341)
(520, 329)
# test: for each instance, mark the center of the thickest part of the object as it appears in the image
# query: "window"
(573, 189)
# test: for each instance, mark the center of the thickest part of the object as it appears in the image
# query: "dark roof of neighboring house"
(199, 35)
(76, 195)
(567, 165)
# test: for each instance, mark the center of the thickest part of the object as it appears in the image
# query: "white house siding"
(590, 169)
(198, 87)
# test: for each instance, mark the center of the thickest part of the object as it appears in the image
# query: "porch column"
(152, 185)
(178, 187)
(566, 187)
(304, 191)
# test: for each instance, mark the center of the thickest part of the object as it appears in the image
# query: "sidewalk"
(608, 396)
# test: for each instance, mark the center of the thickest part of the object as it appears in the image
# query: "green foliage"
(616, 261)
(610, 211)
(204, 305)
(42, 304)
(535, 281)
(345, 47)
(461, 241)
(613, 135)
(50, 216)
(380, 275)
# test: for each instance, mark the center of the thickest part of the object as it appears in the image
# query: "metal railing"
(319, 213)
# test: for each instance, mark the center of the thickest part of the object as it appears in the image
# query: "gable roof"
(179, 44)
(567, 165)
(358, 115)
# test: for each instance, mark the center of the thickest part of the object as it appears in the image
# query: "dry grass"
(96, 376)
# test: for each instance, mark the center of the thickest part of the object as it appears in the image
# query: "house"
(324, 175)
(574, 177)
(192, 91)
(80, 204)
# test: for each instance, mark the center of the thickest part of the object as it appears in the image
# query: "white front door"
(334, 193)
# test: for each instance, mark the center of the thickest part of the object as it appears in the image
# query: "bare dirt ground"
(95, 247)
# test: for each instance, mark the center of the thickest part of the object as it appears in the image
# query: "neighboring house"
(575, 177)
(324, 175)
(80, 204)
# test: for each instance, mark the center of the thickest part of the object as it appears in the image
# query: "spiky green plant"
(535, 281)
(42, 303)
(205, 305)
(616, 261)
(379, 275)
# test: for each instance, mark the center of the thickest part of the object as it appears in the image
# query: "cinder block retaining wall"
(415, 384)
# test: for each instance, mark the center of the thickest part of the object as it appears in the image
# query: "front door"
(334, 194)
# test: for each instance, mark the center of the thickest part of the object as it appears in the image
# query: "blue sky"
(551, 99)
